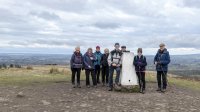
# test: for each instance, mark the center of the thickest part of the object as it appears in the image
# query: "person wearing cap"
(105, 67)
(123, 48)
(97, 63)
(114, 61)
(89, 59)
(161, 60)
(140, 64)
(76, 63)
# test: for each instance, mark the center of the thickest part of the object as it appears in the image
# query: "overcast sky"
(57, 26)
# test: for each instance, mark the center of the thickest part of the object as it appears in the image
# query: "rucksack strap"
(143, 57)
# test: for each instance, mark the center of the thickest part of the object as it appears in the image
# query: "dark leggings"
(141, 78)
(87, 73)
(97, 72)
(76, 72)
(105, 74)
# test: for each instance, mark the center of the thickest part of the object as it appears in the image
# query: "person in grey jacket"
(89, 59)
(114, 61)
(76, 63)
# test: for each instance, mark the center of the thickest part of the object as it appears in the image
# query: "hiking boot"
(74, 86)
(117, 83)
(158, 89)
(143, 92)
(107, 85)
(163, 91)
(111, 89)
(78, 86)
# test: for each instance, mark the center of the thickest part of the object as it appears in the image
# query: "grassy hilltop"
(55, 74)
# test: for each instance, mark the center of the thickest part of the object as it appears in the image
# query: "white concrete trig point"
(128, 75)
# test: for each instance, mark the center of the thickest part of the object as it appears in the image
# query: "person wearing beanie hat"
(89, 60)
(117, 44)
(114, 61)
(123, 48)
(140, 64)
(161, 60)
(97, 63)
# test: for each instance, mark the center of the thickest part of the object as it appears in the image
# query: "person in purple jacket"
(140, 67)
(76, 63)
(89, 59)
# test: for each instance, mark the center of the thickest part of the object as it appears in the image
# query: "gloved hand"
(139, 63)
(158, 63)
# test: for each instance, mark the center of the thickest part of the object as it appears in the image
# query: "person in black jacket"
(140, 67)
(105, 67)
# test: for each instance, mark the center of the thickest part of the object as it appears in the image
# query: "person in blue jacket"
(76, 63)
(140, 68)
(89, 59)
(161, 60)
(97, 63)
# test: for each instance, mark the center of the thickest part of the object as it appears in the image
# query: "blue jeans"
(118, 69)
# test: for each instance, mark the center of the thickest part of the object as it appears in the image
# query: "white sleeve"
(110, 59)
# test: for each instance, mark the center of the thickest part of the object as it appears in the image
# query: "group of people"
(97, 64)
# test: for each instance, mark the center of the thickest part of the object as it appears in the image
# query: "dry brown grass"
(45, 74)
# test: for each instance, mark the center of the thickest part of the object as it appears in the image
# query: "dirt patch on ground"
(61, 97)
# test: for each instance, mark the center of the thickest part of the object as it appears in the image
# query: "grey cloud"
(90, 23)
(45, 15)
(76, 6)
(172, 41)
(105, 25)
(192, 3)
(8, 17)
(50, 42)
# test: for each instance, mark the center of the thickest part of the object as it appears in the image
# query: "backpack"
(137, 57)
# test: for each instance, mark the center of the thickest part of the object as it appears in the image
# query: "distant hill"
(180, 64)
(34, 59)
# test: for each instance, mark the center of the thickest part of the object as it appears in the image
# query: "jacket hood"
(77, 53)
(98, 52)
(87, 53)
(164, 51)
